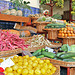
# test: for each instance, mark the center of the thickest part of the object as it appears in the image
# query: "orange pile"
(66, 32)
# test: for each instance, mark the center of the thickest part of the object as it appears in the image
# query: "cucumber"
(41, 56)
(69, 60)
(48, 54)
(43, 49)
(67, 55)
(57, 58)
(46, 50)
(36, 52)
(58, 54)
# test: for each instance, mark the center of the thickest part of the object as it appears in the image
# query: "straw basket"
(52, 33)
(69, 40)
(10, 53)
(34, 19)
(41, 25)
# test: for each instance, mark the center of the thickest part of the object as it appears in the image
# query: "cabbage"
(72, 48)
(65, 48)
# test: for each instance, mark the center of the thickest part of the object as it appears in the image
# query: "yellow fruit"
(19, 70)
(48, 70)
(19, 63)
(37, 71)
(50, 66)
(14, 67)
(8, 69)
(43, 71)
(25, 63)
(41, 61)
(15, 57)
(33, 58)
(38, 59)
(10, 74)
(31, 72)
(27, 56)
(1, 60)
(34, 64)
(47, 61)
(53, 68)
(24, 72)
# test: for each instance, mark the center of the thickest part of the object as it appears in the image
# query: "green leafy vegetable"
(65, 47)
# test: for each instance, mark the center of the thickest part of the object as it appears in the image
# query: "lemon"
(34, 64)
(47, 61)
(41, 61)
(8, 69)
(10, 74)
(50, 66)
(31, 72)
(37, 71)
(19, 70)
(25, 63)
(43, 71)
(54, 68)
(14, 67)
(19, 63)
(24, 72)
(33, 58)
(15, 57)
(48, 70)
(36, 61)
(27, 56)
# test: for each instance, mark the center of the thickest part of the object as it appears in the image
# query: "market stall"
(39, 44)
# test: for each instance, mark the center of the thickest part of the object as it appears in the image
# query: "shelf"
(13, 18)
(67, 37)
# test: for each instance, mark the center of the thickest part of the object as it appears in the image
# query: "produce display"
(24, 33)
(37, 40)
(73, 7)
(44, 19)
(66, 53)
(66, 32)
(55, 25)
(43, 53)
(10, 41)
(57, 16)
(30, 66)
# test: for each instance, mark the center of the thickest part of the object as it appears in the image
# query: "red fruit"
(1, 69)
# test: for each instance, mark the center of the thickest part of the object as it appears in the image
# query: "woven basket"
(41, 25)
(61, 63)
(69, 40)
(10, 53)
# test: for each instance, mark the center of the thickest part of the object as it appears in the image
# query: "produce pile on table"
(38, 40)
(66, 53)
(10, 41)
(73, 7)
(30, 66)
(66, 32)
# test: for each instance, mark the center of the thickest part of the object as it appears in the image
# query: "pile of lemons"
(30, 66)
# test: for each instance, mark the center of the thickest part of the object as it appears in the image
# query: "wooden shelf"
(67, 37)
(13, 18)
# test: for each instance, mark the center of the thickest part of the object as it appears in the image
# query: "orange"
(65, 35)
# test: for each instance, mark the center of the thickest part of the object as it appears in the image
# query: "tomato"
(1, 69)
